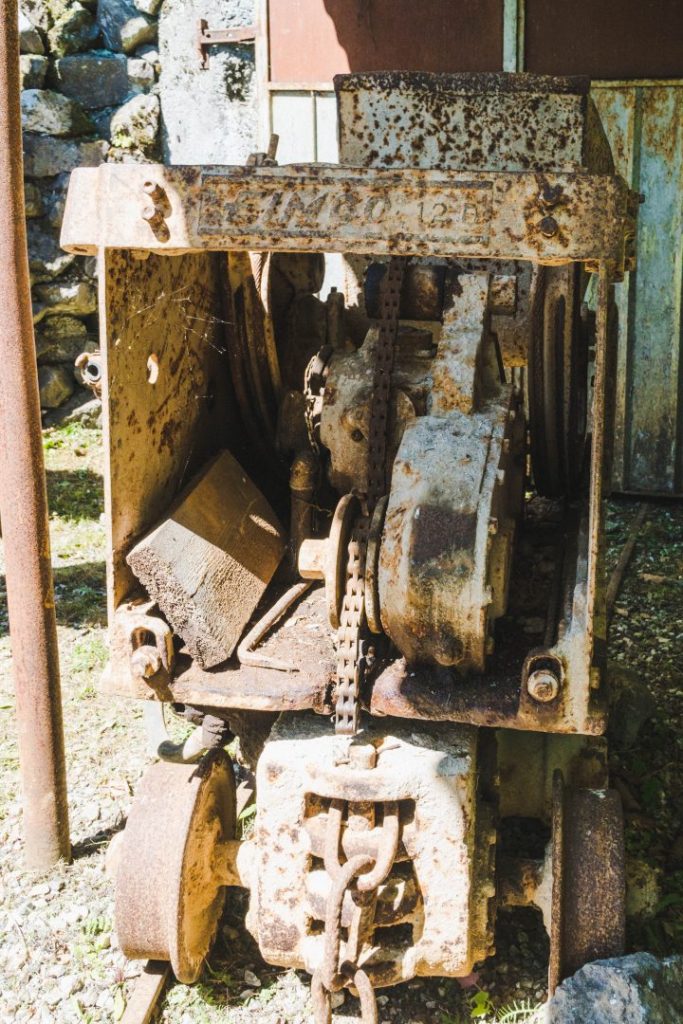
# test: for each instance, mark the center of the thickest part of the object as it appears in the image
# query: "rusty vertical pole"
(23, 500)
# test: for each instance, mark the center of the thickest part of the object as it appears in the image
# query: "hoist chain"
(361, 874)
(352, 660)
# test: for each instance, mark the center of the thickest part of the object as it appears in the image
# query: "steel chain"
(352, 617)
(367, 872)
(390, 302)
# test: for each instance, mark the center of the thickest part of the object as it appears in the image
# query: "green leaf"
(247, 813)
(119, 1003)
(480, 1005)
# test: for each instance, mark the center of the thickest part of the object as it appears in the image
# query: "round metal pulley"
(587, 916)
(558, 380)
(372, 609)
(169, 892)
(336, 556)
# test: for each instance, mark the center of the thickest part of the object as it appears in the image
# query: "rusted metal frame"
(23, 501)
(207, 37)
(598, 482)
(308, 208)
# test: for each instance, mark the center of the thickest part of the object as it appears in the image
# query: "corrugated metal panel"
(644, 123)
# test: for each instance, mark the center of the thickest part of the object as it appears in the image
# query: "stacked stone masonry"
(91, 92)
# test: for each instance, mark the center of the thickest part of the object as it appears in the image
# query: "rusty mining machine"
(364, 532)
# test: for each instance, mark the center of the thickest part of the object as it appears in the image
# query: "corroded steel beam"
(23, 500)
(546, 218)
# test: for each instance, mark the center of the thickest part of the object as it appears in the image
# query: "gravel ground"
(58, 956)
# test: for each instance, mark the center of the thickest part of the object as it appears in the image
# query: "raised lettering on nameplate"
(346, 208)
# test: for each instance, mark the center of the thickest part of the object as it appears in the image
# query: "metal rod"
(617, 577)
(23, 500)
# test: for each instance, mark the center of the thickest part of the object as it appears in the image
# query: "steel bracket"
(207, 37)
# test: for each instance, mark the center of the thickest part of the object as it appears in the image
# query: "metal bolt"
(154, 191)
(548, 227)
(151, 214)
(550, 195)
(543, 685)
(145, 662)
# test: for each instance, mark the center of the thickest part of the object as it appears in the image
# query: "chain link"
(390, 302)
(350, 667)
(366, 872)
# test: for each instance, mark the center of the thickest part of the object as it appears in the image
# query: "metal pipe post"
(23, 499)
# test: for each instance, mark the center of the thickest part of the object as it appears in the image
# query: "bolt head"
(548, 227)
(543, 685)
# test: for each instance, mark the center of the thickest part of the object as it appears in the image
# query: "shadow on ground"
(80, 596)
(74, 494)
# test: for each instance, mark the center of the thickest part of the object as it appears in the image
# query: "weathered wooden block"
(208, 563)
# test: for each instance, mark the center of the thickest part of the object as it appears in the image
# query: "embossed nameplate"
(337, 209)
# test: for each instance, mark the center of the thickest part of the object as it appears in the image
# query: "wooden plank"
(326, 142)
(208, 563)
(148, 989)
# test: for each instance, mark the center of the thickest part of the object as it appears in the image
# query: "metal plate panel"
(644, 125)
(337, 209)
(609, 39)
(462, 210)
(166, 405)
(313, 40)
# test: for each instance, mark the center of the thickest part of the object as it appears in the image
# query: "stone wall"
(91, 93)
(208, 116)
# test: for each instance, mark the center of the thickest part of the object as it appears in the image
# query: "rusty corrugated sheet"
(644, 124)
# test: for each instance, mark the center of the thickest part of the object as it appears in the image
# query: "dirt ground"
(58, 956)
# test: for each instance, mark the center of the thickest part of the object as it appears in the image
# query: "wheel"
(168, 895)
(587, 918)
(558, 381)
